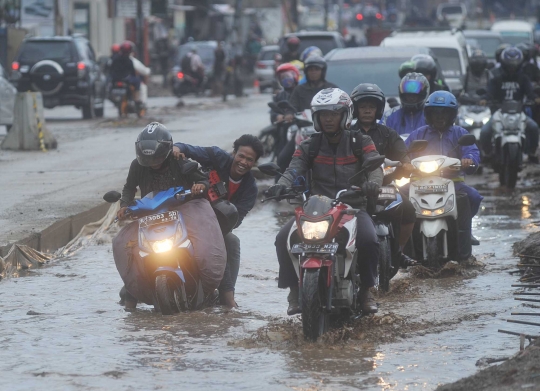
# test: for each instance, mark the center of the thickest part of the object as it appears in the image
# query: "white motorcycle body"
(434, 199)
(303, 133)
(509, 128)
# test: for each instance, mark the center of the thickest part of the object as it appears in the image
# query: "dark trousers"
(367, 245)
(232, 244)
(531, 137)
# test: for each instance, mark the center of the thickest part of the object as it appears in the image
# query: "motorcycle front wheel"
(167, 295)
(433, 251)
(385, 264)
(315, 318)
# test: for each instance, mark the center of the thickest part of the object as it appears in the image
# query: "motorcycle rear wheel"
(165, 294)
(315, 319)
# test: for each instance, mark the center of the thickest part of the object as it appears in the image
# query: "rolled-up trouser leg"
(485, 138)
(208, 245)
(232, 243)
(367, 244)
(531, 134)
(287, 275)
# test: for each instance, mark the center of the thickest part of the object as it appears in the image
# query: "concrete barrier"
(29, 131)
(61, 232)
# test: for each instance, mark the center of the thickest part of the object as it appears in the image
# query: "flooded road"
(63, 329)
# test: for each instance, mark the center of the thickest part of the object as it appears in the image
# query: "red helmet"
(115, 48)
(293, 42)
(288, 67)
(126, 47)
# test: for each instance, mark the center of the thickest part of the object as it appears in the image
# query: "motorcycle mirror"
(369, 165)
(481, 91)
(270, 169)
(285, 105)
(467, 140)
(392, 102)
(112, 196)
(417, 146)
(189, 167)
(274, 107)
(302, 123)
(490, 65)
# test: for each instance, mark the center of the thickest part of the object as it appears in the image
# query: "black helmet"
(406, 67)
(426, 66)
(499, 51)
(525, 49)
(227, 215)
(511, 59)
(368, 91)
(413, 91)
(316, 61)
(478, 61)
(153, 145)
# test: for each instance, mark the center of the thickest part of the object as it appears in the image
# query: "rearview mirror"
(372, 163)
(112, 196)
(189, 167)
(417, 146)
(270, 169)
(285, 105)
(467, 140)
(274, 106)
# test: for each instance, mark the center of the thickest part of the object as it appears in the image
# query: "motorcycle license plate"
(387, 193)
(327, 248)
(159, 218)
(431, 189)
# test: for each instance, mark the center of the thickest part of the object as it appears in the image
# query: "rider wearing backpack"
(338, 156)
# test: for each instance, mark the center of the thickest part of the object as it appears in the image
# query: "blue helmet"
(441, 104)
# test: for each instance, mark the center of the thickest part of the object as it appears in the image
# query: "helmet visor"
(151, 152)
(287, 79)
(411, 87)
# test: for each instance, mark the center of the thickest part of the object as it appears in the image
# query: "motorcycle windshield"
(511, 107)
(155, 200)
(317, 206)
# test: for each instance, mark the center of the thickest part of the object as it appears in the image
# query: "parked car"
(264, 68)
(514, 31)
(324, 40)
(65, 70)
(205, 49)
(450, 47)
(485, 40)
(370, 64)
(453, 13)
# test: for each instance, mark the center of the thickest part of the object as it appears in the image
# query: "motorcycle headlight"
(402, 181)
(468, 121)
(162, 246)
(429, 166)
(315, 230)
(485, 120)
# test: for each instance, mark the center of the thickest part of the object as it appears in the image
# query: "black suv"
(65, 71)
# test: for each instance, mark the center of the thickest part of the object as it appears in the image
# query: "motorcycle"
(165, 248)
(183, 83)
(434, 197)
(472, 117)
(121, 94)
(508, 123)
(388, 202)
(322, 247)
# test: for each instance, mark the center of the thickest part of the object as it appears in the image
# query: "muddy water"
(62, 328)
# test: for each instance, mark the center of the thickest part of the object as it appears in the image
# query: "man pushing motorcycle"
(442, 136)
(333, 155)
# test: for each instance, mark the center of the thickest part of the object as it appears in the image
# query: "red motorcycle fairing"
(317, 263)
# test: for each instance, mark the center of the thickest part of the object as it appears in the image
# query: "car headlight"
(315, 230)
(429, 166)
(485, 120)
(402, 181)
(437, 212)
(162, 246)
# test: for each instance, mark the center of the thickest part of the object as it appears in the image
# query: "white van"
(454, 13)
(514, 31)
(450, 47)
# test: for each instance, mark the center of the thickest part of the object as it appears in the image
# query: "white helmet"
(332, 99)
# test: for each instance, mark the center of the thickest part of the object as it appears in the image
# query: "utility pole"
(294, 13)
(237, 27)
(340, 16)
(326, 6)
(140, 26)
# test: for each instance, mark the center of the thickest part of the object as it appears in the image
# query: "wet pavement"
(63, 329)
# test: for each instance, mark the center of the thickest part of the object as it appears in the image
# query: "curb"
(59, 233)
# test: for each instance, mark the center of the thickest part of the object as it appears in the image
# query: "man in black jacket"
(235, 171)
(369, 102)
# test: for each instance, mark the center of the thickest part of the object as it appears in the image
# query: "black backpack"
(185, 64)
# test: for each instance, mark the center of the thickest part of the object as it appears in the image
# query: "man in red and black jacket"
(235, 171)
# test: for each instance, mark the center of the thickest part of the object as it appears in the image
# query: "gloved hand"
(370, 189)
(276, 190)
